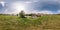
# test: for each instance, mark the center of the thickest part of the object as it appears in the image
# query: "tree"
(22, 14)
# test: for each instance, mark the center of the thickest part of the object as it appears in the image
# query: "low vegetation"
(49, 22)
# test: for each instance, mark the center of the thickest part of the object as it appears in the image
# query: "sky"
(30, 6)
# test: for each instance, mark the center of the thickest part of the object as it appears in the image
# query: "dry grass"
(51, 22)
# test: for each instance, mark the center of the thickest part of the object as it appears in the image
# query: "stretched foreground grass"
(50, 22)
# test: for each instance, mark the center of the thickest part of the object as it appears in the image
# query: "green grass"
(50, 22)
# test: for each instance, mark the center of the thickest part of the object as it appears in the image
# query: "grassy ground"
(50, 22)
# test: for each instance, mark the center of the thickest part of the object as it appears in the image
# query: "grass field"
(49, 22)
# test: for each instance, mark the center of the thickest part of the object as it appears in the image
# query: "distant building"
(37, 15)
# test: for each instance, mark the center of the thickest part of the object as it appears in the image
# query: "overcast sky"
(30, 6)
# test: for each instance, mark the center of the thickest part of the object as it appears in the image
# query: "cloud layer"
(30, 6)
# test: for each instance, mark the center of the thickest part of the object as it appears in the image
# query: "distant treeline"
(5, 14)
(27, 14)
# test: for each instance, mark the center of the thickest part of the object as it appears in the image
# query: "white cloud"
(20, 4)
(36, 11)
(46, 12)
(28, 2)
(58, 11)
(3, 3)
(17, 7)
